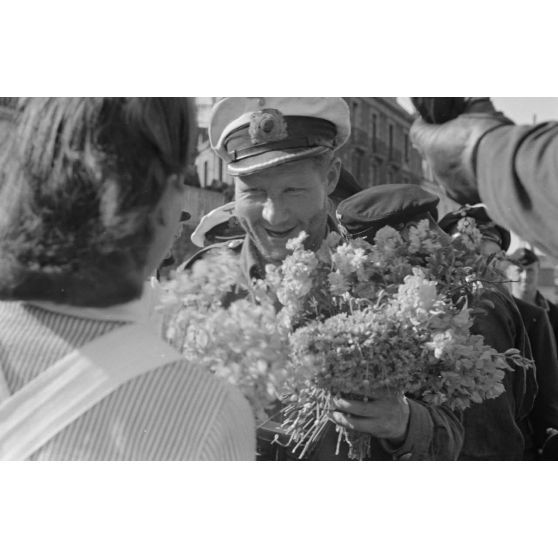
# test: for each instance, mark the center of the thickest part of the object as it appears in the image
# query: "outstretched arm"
(517, 173)
(483, 156)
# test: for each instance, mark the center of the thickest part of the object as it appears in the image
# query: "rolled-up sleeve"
(517, 173)
(434, 433)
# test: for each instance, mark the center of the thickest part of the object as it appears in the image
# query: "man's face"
(489, 247)
(279, 203)
(526, 279)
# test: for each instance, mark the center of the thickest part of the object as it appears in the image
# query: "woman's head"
(87, 188)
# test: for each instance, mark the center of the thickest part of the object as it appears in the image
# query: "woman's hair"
(79, 178)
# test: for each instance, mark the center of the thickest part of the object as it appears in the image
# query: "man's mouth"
(280, 234)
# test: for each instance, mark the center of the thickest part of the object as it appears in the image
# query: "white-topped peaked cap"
(255, 133)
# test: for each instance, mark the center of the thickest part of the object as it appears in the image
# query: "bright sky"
(520, 109)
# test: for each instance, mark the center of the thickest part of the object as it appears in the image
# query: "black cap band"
(271, 132)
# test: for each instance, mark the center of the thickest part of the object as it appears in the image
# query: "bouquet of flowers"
(242, 341)
(349, 319)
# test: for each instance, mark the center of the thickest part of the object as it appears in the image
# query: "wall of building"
(200, 201)
(379, 150)
(209, 166)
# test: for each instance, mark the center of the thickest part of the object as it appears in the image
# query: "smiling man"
(275, 206)
(282, 153)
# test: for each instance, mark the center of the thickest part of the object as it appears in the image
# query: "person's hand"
(385, 415)
(449, 148)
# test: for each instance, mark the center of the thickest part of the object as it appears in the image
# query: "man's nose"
(274, 211)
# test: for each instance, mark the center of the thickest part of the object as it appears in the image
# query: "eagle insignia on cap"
(466, 224)
(266, 126)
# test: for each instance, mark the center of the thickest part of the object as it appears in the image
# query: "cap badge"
(266, 126)
(466, 224)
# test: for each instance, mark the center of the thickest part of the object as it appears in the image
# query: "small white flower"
(440, 343)
(297, 243)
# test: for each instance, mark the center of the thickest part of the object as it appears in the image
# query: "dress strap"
(4, 389)
(70, 387)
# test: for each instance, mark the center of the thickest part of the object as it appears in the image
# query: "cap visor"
(272, 159)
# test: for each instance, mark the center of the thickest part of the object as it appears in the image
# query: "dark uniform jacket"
(551, 311)
(541, 338)
(517, 173)
(433, 432)
(494, 428)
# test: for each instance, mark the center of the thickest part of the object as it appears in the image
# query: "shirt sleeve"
(517, 173)
(434, 433)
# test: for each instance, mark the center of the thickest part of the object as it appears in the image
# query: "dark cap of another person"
(523, 257)
(488, 228)
(365, 213)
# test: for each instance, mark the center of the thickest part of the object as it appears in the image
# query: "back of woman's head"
(79, 178)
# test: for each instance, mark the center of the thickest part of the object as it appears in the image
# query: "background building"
(379, 150)
(210, 168)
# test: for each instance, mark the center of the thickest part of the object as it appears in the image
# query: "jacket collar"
(541, 301)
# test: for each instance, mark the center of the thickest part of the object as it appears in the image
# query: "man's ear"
(333, 173)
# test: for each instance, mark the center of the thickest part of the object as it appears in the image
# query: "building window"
(406, 148)
(354, 112)
(373, 175)
(357, 165)
(374, 130)
(390, 139)
(205, 173)
(389, 177)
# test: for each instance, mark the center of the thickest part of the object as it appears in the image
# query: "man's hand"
(385, 416)
(449, 148)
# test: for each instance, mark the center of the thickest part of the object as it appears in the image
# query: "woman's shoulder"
(183, 374)
(186, 382)
(187, 406)
(178, 381)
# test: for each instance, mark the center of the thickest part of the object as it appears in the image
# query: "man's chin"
(274, 254)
